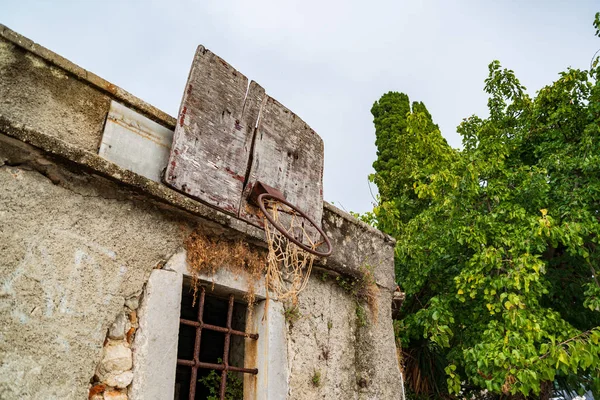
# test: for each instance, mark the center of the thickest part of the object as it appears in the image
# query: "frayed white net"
(288, 265)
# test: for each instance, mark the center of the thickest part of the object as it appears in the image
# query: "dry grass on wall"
(206, 255)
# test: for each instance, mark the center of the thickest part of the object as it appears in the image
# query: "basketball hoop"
(294, 241)
(269, 216)
(262, 192)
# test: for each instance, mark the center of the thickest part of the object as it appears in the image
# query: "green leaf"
(497, 244)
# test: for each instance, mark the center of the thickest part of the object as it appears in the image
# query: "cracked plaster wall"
(353, 361)
(71, 254)
(48, 99)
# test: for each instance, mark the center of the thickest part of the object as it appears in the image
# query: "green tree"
(497, 243)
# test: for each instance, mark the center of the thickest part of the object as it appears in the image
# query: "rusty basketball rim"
(273, 194)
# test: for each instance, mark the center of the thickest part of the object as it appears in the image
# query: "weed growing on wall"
(291, 314)
(233, 391)
(316, 378)
(363, 290)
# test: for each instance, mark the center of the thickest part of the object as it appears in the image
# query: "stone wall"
(79, 237)
(114, 371)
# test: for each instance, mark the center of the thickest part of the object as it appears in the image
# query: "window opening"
(211, 338)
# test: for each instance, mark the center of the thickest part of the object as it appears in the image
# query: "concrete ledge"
(368, 246)
(362, 225)
(97, 164)
(358, 247)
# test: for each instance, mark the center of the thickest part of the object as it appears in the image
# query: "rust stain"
(96, 389)
(234, 175)
(250, 361)
(230, 208)
(252, 215)
(189, 90)
(129, 334)
(133, 317)
(111, 88)
(182, 117)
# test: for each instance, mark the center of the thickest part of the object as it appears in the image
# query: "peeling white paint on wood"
(214, 132)
(288, 155)
(220, 150)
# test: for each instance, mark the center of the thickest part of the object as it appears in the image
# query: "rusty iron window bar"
(228, 331)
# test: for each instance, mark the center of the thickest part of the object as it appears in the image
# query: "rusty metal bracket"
(261, 188)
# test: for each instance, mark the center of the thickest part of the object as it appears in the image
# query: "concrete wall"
(71, 255)
(353, 361)
(79, 236)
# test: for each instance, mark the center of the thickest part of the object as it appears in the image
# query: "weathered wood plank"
(288, 155)
(212, 139)
(217, 154)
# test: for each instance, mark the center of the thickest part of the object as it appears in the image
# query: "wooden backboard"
(215, 126)
(230, 134)
(288, 155)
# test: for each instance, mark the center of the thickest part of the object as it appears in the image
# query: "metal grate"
(228, 331)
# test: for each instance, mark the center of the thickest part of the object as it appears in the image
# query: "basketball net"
(288, 266)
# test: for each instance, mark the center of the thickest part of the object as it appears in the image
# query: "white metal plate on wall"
(135, 142)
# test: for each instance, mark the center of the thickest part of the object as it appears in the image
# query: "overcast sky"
(327, 61)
